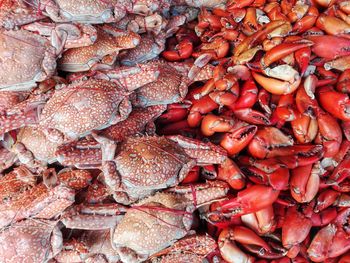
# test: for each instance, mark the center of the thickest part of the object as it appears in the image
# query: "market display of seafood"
(174, 131)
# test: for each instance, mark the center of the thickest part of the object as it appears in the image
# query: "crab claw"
(275, 86)
(336, 103)
(252, 116)
(305, 182)
(296, 228)
(329, 47)
(343, 84)
(252, 199)
(182, 51)
(262, 221)
(229, 250)
(304, 128)
(333, 25)
(229, 172)
(340, 173)
(277, 179)
(212, 123)
(282, 50)
(235, 141)
(342, 64)
(248, 96)
(330, 134)
(200, 107)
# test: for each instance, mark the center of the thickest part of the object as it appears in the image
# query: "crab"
(141, 165)
(149, 226)
(96, 12)
(23, 198)
(90, 245)
(156, 222)
(34, 55)
(102, 54)
(14, 13)
(28, 53)
(192, 248)
(33, 241)
(83, 106)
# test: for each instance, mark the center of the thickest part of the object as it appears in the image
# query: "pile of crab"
(174, 131)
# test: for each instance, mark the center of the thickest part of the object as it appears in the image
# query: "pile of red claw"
(175, 131)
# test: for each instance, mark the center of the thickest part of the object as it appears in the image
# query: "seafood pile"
(174, 131)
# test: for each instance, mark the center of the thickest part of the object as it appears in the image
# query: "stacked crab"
(169, 131)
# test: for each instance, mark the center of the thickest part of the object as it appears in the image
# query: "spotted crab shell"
(78, 108)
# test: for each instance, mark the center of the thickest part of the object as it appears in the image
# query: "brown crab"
(142, 164)
(14, 13)
(28, 53)
(151, 225)
(158, 221)
(30, 241)
(96, 12)
(23, 198)
(102, 54)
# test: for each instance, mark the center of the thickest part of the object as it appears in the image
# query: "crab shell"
(170, 87)
(105, 50)
(159, 220)
(27, 53)
(83, 106)
(35, 141)
(82, 11)
(33, 241)
(148, 163)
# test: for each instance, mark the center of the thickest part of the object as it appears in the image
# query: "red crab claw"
(304, 182)
(212, 123)
(329, 47)
(236, 140)
(302, 57)
(332, 240)
(181, 51)
(264, 98)
(302, 158)
(257, 37)
(325, 77)
(276, 86)
(286, 109)
(343, 84)
(306, 22)
(265, 140)
(207, 19)
(262, 221)
(229, 172)
(216, 49)
(325, 199)
(234, 4)
(192, 176)
(295, 229)
(175, 112)
(333, 25)
(252, 199)
(306, 105)
(199, 108)
(341, 64)
(304, 128)
(252, 116)
(329, 134)
(324, 217)
(228, 248)
(266, 165)
(339, 175)
(248, 96)
(277, 179)
(282, 50)
(334, 102)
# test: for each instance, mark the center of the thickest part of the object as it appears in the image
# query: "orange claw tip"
(275, 86)
(235, 141)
